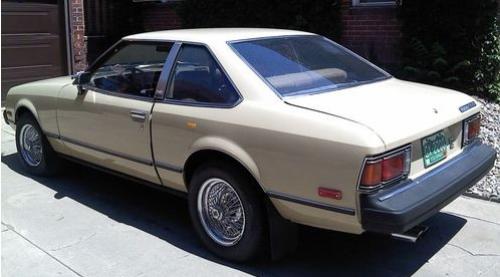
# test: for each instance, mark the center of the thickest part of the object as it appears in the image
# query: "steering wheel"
(132, 80)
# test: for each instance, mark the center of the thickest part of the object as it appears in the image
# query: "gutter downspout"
(69, 41)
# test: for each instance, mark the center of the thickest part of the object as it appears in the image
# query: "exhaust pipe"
(411, 235)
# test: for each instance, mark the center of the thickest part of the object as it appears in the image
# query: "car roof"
(210, 35)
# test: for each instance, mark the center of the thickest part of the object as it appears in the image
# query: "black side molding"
(311, 203)
(113, 153)
(175, 192)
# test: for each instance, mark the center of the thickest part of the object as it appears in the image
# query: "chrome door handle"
(138, 115)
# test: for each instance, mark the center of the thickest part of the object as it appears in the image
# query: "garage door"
(32, 43)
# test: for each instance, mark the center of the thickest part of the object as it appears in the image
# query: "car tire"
(222, 197)
(36, 154)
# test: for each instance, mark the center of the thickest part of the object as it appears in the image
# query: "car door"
(109, 123)
(198, 98)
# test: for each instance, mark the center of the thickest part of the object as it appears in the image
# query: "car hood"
(52, 84)
(397, 111)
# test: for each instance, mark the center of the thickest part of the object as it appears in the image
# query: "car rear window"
(306, 64)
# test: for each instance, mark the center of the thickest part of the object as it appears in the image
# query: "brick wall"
(372, 32)
(77, 25)
(160, 17)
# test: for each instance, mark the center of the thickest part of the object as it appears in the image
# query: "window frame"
(358, 3)
(197, 104)
(108, 53)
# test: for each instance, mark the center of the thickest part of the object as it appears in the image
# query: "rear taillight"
(471, 128)
(386, 168)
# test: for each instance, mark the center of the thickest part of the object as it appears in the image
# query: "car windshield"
(306, 64)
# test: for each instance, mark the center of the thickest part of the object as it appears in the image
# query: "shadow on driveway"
(320, 252)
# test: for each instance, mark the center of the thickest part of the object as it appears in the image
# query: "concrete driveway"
(87, 223)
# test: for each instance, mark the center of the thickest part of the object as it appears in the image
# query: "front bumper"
(5, 118)
(401, 207)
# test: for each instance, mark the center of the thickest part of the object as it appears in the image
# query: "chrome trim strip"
(164, 165)
(310, 203)
(201, 104)
(407, 147)
(465, 132)
(117, 94)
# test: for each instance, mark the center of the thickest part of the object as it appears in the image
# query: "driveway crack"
(475, 218)
(74, 243)
(11, 228)
(473, 254)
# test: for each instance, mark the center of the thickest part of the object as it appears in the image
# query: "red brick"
(77, 26)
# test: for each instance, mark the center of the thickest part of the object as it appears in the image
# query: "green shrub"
(452, 43)
(318, 16)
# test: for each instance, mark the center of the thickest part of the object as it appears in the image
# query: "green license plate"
(434, 148)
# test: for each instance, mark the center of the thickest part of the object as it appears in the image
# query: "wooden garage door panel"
(41, 18)
(29, 72)
(30, 50)
(31, 43)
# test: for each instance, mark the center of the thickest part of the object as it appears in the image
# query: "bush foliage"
(318, 16)
(452, 43)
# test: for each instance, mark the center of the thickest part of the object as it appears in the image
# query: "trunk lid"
(398, 111)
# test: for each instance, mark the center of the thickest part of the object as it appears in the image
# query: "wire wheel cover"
(221, 212)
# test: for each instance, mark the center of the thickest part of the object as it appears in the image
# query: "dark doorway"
(107, 21)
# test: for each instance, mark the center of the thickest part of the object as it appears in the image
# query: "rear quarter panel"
(288, 150)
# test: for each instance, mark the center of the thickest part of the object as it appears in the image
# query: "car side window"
(133, 69)
(197, 78)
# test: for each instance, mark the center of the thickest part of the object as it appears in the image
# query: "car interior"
(134, 69)
(138, 80)
(198, 78)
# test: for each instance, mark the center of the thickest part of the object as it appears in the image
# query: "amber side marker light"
(385, 169)
(471, 128)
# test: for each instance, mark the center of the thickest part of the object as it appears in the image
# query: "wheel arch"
(25, 106)
(282, 232)
(207, 149)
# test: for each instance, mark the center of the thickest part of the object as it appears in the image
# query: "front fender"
(27, 104)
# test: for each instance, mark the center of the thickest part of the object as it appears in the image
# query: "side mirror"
(80, 79)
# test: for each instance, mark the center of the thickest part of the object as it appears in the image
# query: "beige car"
(261, 129)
